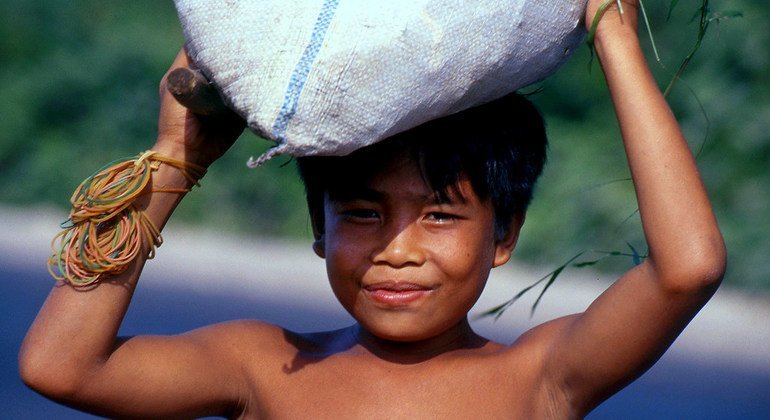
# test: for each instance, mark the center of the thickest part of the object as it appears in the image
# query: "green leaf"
(635, 256)
(498, 310)
(730, 14)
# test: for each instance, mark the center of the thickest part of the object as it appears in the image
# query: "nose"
(401, 246)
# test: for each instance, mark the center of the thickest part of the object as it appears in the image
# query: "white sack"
(326, 77)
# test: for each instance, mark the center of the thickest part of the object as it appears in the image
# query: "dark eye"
(441, 217)
(360, 214)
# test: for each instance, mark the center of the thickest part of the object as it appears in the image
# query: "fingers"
(191, 88)
(193, 118)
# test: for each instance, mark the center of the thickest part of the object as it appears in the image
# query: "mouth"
(396, 293)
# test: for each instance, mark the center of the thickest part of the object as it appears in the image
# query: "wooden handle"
(192, 89)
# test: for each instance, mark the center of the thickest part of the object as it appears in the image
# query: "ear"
(318, 247)
(505, 245)
(318, 234)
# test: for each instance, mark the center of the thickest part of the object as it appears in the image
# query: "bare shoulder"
(541, 335)
(237, 343)
(237, 329)
(242, 336)
(251, 332)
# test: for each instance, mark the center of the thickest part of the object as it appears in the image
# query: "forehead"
(400, 178)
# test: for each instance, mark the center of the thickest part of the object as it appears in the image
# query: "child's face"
(406, 266)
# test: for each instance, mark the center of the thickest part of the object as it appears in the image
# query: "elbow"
(699, 271)
(712, 265)
(707, 275)
(45, 375)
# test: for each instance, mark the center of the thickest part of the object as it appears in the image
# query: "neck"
(457, 338)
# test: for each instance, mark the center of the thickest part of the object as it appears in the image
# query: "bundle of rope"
(106, 229)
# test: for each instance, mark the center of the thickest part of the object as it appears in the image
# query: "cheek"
(344, 248)
(345, 264)
(468, 264)
(340, 261)
(470, 251)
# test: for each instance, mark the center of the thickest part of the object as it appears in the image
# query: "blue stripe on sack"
(300, 73)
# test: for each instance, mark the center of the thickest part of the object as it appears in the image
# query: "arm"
(71, 352)
(594, 354)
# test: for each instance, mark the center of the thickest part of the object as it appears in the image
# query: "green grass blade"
(595, 22)
(705, 18)
(671, 8)
(498, 310)
(551, 279)
(635, 256)
(649, 31)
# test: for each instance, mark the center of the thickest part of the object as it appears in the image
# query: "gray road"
(718, 369)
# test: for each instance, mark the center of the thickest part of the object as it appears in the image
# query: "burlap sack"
(325, 77)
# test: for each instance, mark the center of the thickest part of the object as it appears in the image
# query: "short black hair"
(500, 147)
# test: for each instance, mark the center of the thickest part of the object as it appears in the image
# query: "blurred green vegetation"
(78, 88)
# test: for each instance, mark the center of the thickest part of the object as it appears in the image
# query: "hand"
(611, 18)
(188, 136)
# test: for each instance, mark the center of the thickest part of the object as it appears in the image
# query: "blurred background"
(78, 88)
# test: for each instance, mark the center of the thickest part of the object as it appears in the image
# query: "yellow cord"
(106, 231)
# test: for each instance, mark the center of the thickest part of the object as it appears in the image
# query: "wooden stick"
(191, 88)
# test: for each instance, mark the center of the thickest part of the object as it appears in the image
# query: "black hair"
(500, 147)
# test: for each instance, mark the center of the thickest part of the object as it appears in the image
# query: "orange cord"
(106, 230)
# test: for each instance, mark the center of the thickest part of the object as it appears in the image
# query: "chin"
(411, 332)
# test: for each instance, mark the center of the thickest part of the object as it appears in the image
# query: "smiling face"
(410, 226)
(407, 265)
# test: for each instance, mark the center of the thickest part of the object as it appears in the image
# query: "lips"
(396, 293)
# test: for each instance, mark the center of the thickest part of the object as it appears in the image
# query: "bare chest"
(455, 389)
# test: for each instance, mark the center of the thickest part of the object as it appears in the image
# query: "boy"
(408, 249)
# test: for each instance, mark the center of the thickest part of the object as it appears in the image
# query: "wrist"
(200, 153)
(172, 176)
(610, 24)
(616, 42)
(176, 149)
(117, 214)
(168, 178)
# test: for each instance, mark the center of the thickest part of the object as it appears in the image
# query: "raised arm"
(71, 352)
(627, 328)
